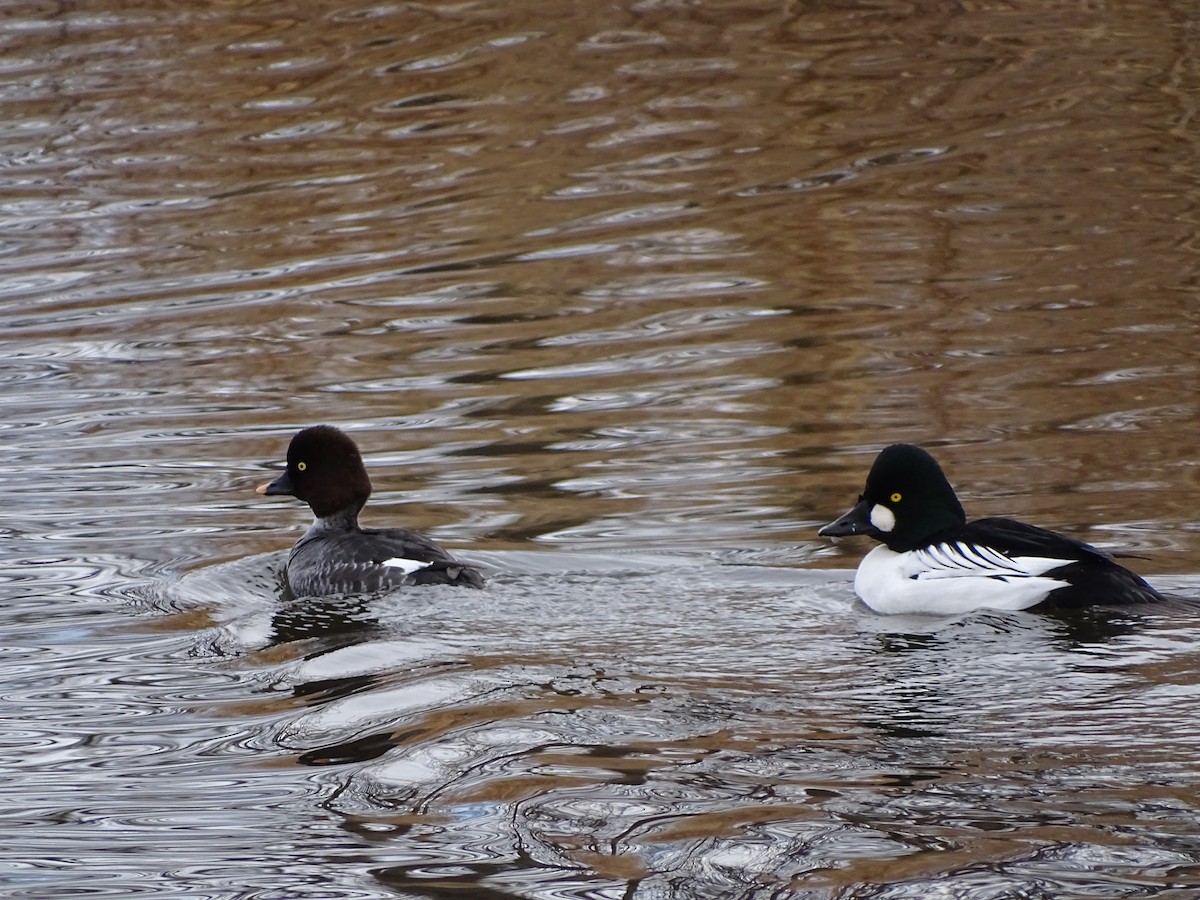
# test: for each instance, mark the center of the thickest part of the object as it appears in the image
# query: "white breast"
(953, 578)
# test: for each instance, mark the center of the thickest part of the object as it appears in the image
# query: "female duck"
(336, 556)
(933, 561)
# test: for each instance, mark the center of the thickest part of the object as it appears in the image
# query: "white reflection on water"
(655, 278)
(665, 725)
(756, 727)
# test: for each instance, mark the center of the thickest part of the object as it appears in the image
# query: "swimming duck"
(336, 555)
(932, 560)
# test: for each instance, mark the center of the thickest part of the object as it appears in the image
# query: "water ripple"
(647, 285)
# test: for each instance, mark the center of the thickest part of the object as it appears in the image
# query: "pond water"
(619, 300)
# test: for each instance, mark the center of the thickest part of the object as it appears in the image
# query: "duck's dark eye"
(301, 466)
(895, 498)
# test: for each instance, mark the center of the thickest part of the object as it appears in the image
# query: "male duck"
(933, 561)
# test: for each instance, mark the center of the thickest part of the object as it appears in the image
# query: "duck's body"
(336, 555)
(933, 561)
(333, 558)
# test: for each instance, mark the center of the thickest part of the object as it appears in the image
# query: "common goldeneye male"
(336, 556)
(933, 561)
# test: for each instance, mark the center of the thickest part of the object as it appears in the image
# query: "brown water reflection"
(710, 256)
(652, 276)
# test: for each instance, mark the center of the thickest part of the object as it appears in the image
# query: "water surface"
(619, 302)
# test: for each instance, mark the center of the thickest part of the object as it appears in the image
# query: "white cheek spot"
(408, 565)
(882, 517)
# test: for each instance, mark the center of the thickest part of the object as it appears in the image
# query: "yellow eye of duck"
(895, 498)
(301, 466)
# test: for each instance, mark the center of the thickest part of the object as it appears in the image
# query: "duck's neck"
(342, 520)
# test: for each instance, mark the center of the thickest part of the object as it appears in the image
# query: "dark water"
(619, 301)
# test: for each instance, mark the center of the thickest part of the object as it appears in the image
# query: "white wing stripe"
(407, 565)
(960, 559)
(993, 557)
(960, 555)
(976, 556)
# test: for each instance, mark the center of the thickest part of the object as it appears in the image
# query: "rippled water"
(619, 301)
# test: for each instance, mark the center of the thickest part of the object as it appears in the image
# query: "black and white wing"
(1007, 550)
(965, 559)
(373, 560)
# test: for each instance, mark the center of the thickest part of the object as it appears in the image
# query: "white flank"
(408, 565)
(952, 578)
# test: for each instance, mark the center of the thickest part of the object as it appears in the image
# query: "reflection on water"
(644, 283)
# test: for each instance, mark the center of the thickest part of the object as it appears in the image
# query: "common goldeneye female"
(933, 561)
(336, 556)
